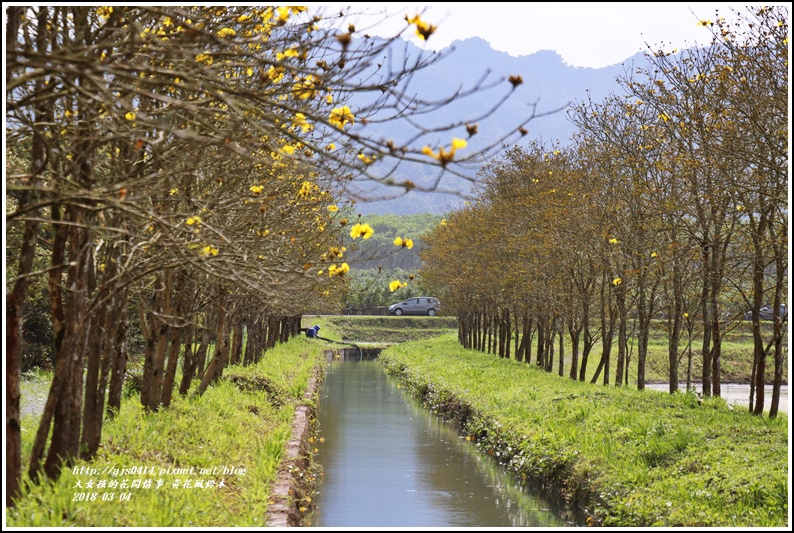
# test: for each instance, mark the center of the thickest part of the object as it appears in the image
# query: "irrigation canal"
(389, 462)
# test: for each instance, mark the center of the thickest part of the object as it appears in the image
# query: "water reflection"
(390, 463)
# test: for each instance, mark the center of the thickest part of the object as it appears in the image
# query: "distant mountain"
(549, 87)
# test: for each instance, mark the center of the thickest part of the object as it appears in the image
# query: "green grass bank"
(208, 461)
(625, 457)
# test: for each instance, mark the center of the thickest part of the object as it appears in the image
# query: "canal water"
(389, 462)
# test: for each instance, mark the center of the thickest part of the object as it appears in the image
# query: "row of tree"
(184, 165)
(671, 201)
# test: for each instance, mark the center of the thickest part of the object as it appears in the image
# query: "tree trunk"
(15, 299)
(220, 357)
(530, 332)
(561, 364)
(176, 334)
(237, 342)
(674, 332)
(189, 363)
(118, 364)
(541, 357)
(622, 337)
(574, 332)
(163, 335)
(781, 264)
(94, 399)
(201, 357)
(707, 326)
(14, 311)
(64, 444)
(62, 362)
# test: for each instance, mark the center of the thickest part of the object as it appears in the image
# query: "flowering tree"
(187, 160)
(664, 203)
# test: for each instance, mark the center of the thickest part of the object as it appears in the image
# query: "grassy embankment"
(238, 431)
(629, 458)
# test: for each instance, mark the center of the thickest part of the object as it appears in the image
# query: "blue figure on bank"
(313, 332)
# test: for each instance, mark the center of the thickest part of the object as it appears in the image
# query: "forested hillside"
(380, 250)
(379, 261)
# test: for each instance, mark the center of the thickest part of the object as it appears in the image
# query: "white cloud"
(584, 34)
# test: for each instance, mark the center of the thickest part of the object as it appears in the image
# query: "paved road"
(738, 394)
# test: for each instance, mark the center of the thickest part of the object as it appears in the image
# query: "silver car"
(422, 305)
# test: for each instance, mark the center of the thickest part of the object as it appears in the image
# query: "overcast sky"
(585, 34)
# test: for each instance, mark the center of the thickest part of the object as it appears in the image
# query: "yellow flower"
(204, 58)
(686, 315)
(173, 191)
(443, 156)
(613, 240)
(194, 220)
(664, 117)
(104, 11)
(337, 252)
(305, 88)
(332, 208)
(300, 122)
(209, 251)
(276, 74)
(305, 190)
(340, 270)
(423, 29)
(405, 243)
(396, 284)
(226, 32)
(256, 189)
(361, 230)
(654, 255)
(130, 116)
(331, 147)
(616, 281)
(341, 116)
(283, 14)
(366, 159)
